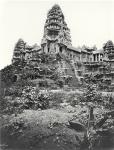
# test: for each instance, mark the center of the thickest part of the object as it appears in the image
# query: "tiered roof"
(109, 46)
(19, 45)
(56, 27)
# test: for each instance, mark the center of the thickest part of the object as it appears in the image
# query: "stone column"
(45, 48)
(99, 57)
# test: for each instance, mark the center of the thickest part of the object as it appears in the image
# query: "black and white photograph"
(56, 75)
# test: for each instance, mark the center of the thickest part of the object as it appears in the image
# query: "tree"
(90, 93)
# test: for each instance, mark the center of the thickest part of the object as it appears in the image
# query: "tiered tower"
(19, 51)
(56, 33)
(109, 51)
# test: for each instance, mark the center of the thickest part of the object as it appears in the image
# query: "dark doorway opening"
(61, 49)
(48, 49)
(14, 78)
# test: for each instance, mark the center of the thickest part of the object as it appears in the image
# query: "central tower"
(56, 36)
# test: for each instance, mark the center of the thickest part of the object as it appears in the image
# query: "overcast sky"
(91, 23)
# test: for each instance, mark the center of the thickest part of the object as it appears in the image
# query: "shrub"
(34, 99)
(13, 91)
(43, 83)
(91, 94)
(60, 83)
(56, 98)
(108, 101)
(30, 98)
(16, 89)
(11, 106)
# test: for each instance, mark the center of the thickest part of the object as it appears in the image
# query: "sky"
(91, 22)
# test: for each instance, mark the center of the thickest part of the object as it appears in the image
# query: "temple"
(56, 39)
(56, 33)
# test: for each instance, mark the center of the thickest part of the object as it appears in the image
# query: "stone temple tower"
(56, 36)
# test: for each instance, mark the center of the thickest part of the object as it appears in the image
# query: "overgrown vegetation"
(40, 88)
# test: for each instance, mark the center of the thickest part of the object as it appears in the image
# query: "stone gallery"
(57, 39)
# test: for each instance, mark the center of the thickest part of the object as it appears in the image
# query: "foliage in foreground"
(28, 98)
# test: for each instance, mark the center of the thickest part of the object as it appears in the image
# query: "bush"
(108, 101)
(91, 94)
(16, 89)
(30, 98)
(73, 99)
(56, 98)
(43, 83)
(13, 91)
(11, 106)
(34, 99)
(60, 83)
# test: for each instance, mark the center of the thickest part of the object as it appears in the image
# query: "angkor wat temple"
(57, 39)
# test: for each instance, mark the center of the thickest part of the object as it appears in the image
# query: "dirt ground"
(46, 129)
(43, 129)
